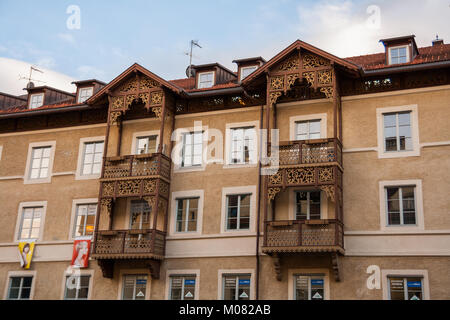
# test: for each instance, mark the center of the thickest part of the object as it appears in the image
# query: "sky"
(112, 35)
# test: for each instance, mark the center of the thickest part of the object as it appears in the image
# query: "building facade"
(155, 187)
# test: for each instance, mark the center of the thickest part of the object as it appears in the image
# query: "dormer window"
(398, 55)
(36, 100)
(84, 94)
(245, 71)
(205, 80)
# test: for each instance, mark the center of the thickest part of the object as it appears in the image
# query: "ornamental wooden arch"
(301, 64)
(137, 87)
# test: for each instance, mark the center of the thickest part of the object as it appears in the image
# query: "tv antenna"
(193, 43)
(30, 83)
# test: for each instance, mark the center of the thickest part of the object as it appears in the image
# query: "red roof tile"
(375, 61)
(24, 108)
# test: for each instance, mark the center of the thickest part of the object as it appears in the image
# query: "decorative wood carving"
(336, 266)
(115, 117)
(106, 205)
(273, 192)
(329, 190)
(154, 267)
(107, 267)
(277, 266)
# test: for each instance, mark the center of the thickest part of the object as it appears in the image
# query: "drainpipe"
(258, 206)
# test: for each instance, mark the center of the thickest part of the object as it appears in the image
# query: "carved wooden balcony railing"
(143, 165)
(303, 236)
(129, 244)
(310, 152)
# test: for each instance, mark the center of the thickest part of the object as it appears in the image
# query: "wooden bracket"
(277, 266)
(336, 266)
(107, 267)
(154, 267)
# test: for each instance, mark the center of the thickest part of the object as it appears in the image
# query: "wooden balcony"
(310, 153)
(129, 244)
(303, 236)
(135, 166)
(136, 176)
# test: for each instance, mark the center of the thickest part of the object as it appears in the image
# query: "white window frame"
(31, 146)
(125, 272)
(184, 272)
(129, 214)
(418, 197)
(203, 73)
(28, 273)
(23, 205)
(73, 216)
(385, 273)
(292, 204)
(31, 100)
(1, 150)
(78, 272)
(80, 90)
(173, 212)
(235, 272)
(142, 134)
(178, 149)
(317, 116)
(415, 152)
(408, 58)
(80, 161)
(293, 272)
(229, 191)
(247, 67)
(228, 141)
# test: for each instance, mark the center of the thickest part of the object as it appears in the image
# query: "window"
(245, 71)
(397, 131)
(30, 224)
(20, 288)
(40, 162)
(399, 55)
(182, 287)
(84, 94)
(400, 205)
(242, 145)
(187, 214)
(236, 287)
(84, 220)
(134, 287)
(309, 287)
(307, 205)
(238, 212)
(145, 145)
(36, 100)
(205, 80)
(92, 159)
(140, 213)
(192, 149)
(309, 129)
(77, 287)
(405, 288)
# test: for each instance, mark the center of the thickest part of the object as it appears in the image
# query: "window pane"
(229, 284)
(414, 286)
(396, 286)
(301, 288)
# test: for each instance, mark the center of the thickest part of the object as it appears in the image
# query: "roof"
(24, 108)
(238, 61)
(214, 64)
(49, 88)
(89, 81)
(436, 53)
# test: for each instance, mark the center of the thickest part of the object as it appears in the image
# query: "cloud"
(46, 62)
(89, 72)
(341, 26)
(66, 37)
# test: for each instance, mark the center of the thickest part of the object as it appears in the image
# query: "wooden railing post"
(123, 241)
(300, 233)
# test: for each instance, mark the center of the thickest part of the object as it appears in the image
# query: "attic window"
(84, 94)
(36, 100)
(205, 80)
(245, 71)
(398, 55)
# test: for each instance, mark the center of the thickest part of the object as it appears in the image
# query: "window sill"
(398, 154)
(37, 181)
(239, 165)
(189, 169)
(87, 176)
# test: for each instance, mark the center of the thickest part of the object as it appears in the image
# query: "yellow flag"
(26, 250)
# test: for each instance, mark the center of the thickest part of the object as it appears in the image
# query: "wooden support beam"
(154, 266)
(107, 267)
(277, 266)
(336, 266)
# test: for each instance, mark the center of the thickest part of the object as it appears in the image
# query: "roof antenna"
(193, 43)
(30, 84)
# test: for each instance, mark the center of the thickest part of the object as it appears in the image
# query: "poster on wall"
(26, 250)
(80, 255)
